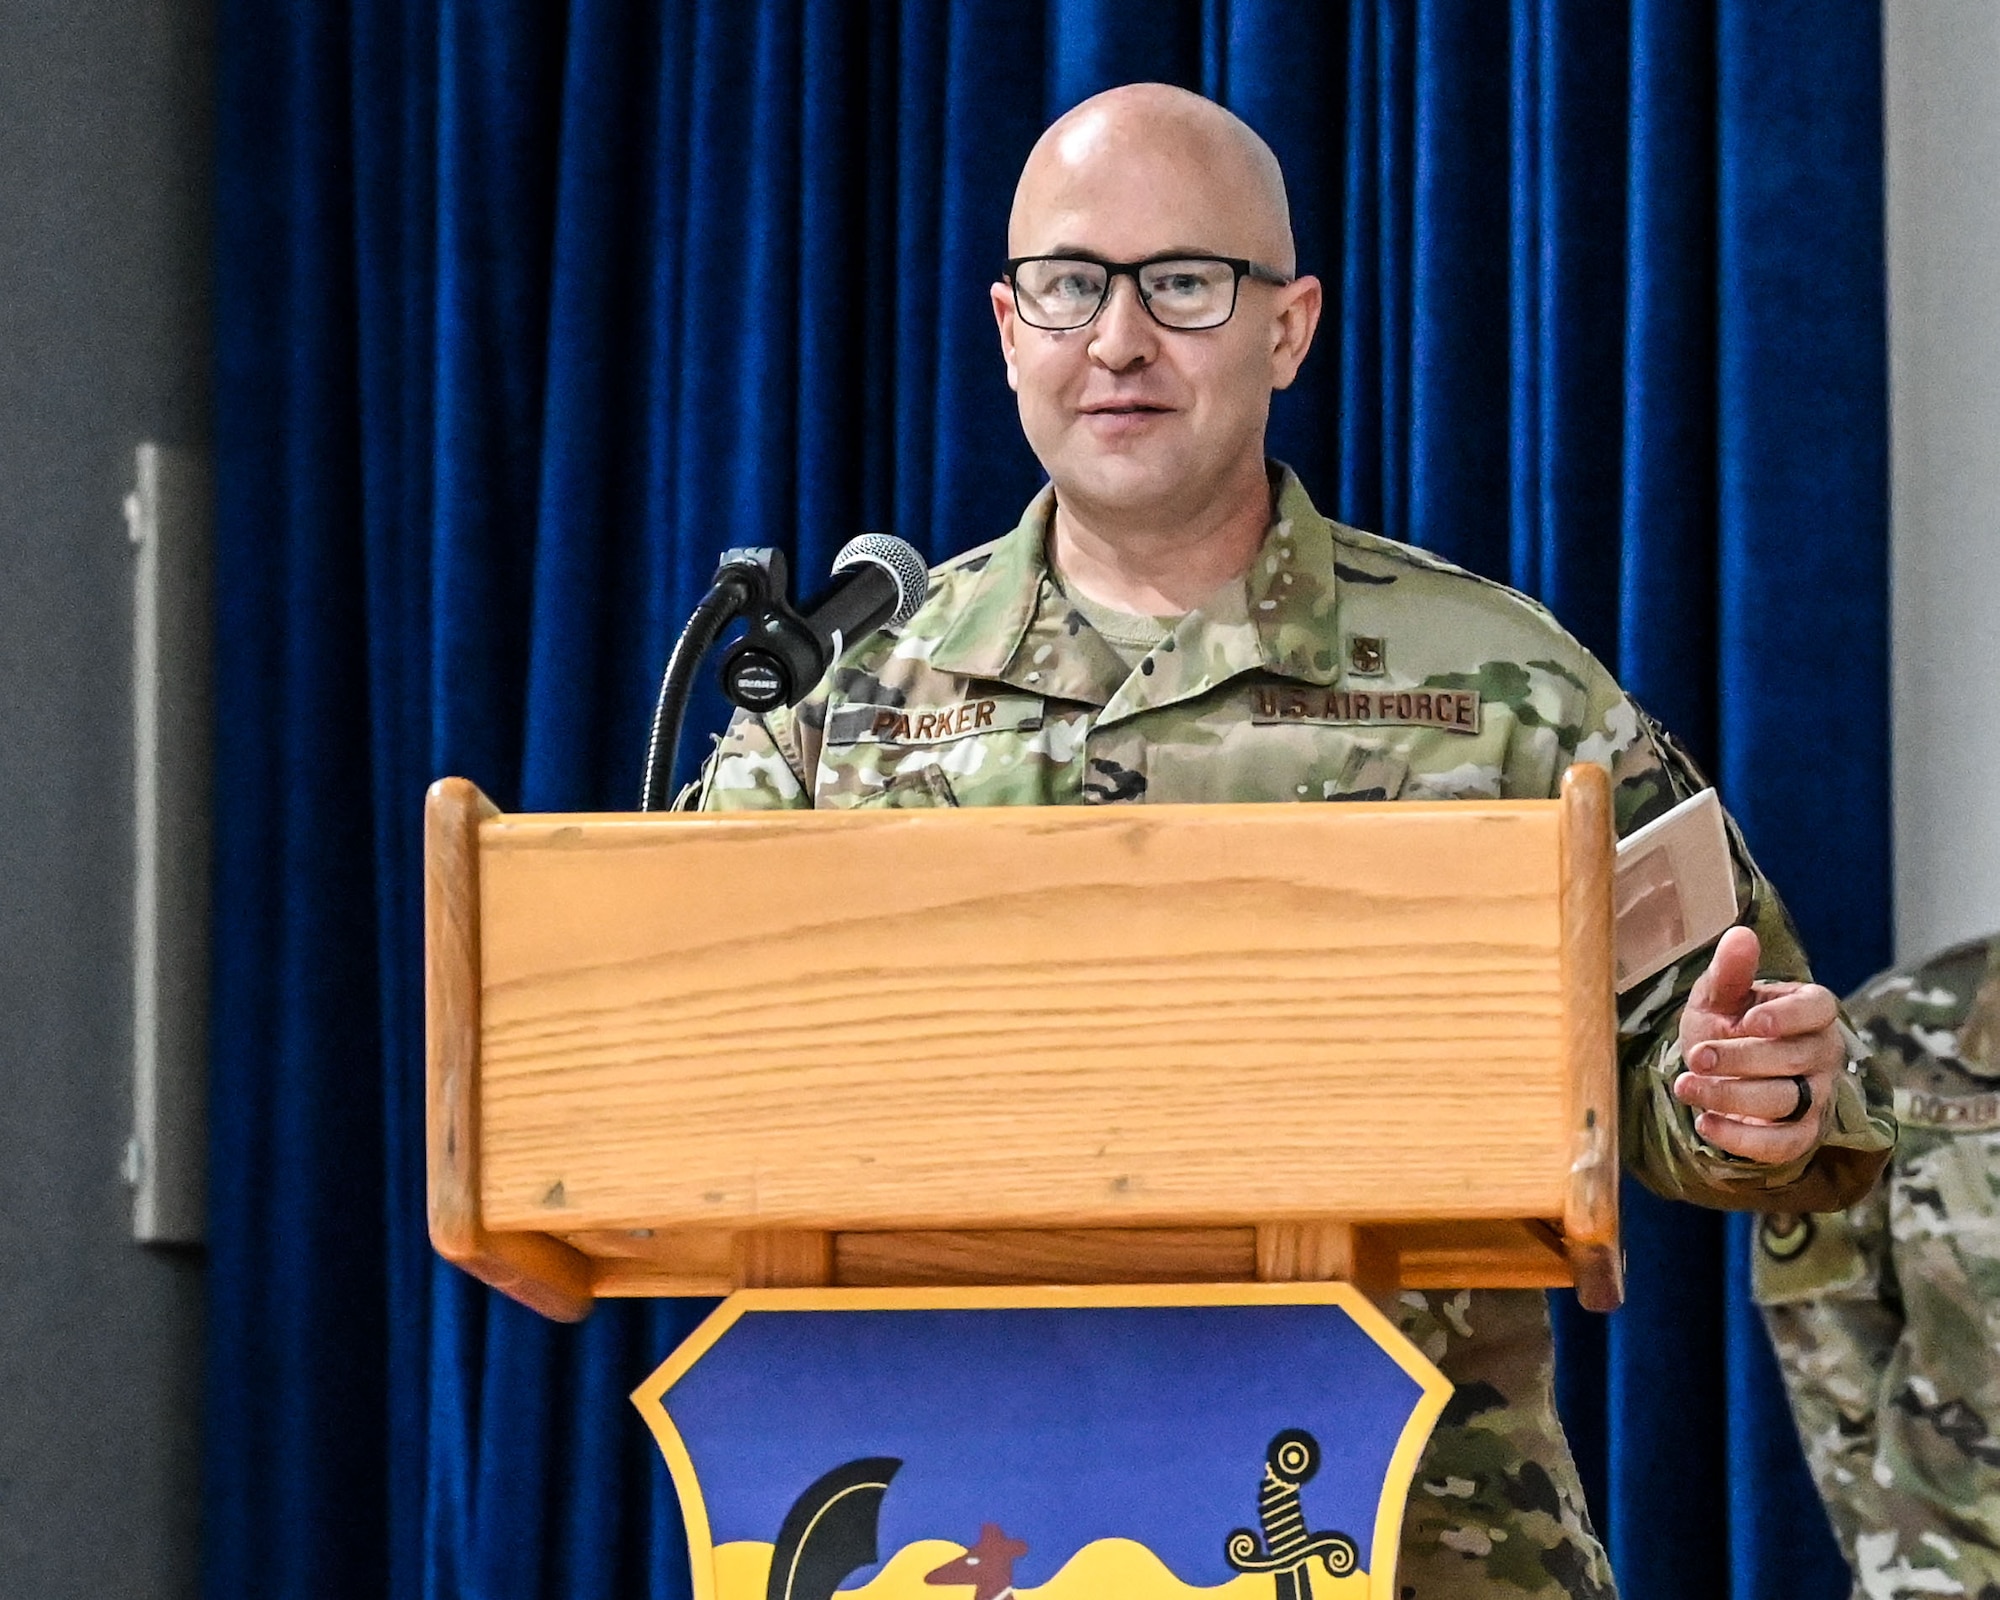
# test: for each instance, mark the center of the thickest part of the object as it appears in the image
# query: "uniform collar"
(1278, 617)
(986, 633)
(1290, 589)
(1016, 627)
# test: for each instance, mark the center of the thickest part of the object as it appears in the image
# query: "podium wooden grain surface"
(684, 1053)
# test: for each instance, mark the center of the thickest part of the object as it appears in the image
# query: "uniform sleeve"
(755, 766)
(1827, 1291)
(1838, 1322)
(1649, 776)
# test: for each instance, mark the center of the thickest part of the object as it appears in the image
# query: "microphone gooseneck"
(733, 591)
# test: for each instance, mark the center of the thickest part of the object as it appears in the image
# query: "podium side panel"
(1590, 1210)
(452, 814)
(540, 1272)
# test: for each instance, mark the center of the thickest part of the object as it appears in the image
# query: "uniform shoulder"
(1918, 1015)
(1367, 565)
(1945, 980)
(1372, 560)
(952, 579)
(966, 561)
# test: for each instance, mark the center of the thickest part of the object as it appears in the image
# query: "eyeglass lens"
(1194, 293)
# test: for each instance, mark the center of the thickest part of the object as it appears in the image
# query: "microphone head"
(897, 557)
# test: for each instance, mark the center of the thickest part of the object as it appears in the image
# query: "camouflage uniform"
(1341, 667)
(1886, 1317)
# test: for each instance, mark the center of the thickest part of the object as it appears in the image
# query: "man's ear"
(1003, 314)
(1293, 324)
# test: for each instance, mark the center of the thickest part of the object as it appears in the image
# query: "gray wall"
(104, 280)
(1942, 83)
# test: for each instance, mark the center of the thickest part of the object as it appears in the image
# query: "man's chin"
(1125, 481)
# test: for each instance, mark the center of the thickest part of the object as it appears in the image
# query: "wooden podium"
(684, 1054)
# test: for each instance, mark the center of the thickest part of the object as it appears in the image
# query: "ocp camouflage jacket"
(1886, 1317)
(1342, 666)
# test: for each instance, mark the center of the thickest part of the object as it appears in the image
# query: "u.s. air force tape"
(1453, 710)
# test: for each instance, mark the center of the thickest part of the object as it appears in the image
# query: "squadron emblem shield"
(1254, 1443)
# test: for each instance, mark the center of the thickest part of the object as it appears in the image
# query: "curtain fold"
(1801, 556)
(524, 313)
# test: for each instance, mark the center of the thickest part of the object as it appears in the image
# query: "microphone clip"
(780, 655)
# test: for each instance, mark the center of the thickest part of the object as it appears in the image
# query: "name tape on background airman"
(1973, 1112)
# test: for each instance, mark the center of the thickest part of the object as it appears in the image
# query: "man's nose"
(1124, 334)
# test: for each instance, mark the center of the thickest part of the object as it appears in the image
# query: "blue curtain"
(527, 311)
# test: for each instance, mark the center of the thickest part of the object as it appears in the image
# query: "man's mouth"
(1126, 408)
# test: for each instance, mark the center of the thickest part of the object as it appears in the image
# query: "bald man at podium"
(1173, 620)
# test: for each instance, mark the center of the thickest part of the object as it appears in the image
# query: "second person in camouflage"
(1886, 1317)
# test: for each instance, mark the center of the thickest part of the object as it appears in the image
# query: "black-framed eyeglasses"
(1186, 293)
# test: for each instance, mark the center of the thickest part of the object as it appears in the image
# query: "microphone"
(878, 581)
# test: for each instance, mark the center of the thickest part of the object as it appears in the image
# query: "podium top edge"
(1028, 818)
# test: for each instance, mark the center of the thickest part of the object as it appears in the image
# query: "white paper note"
(1674, 890)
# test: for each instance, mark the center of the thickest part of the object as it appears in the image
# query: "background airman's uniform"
(1886, 1317)
(1340, 667)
